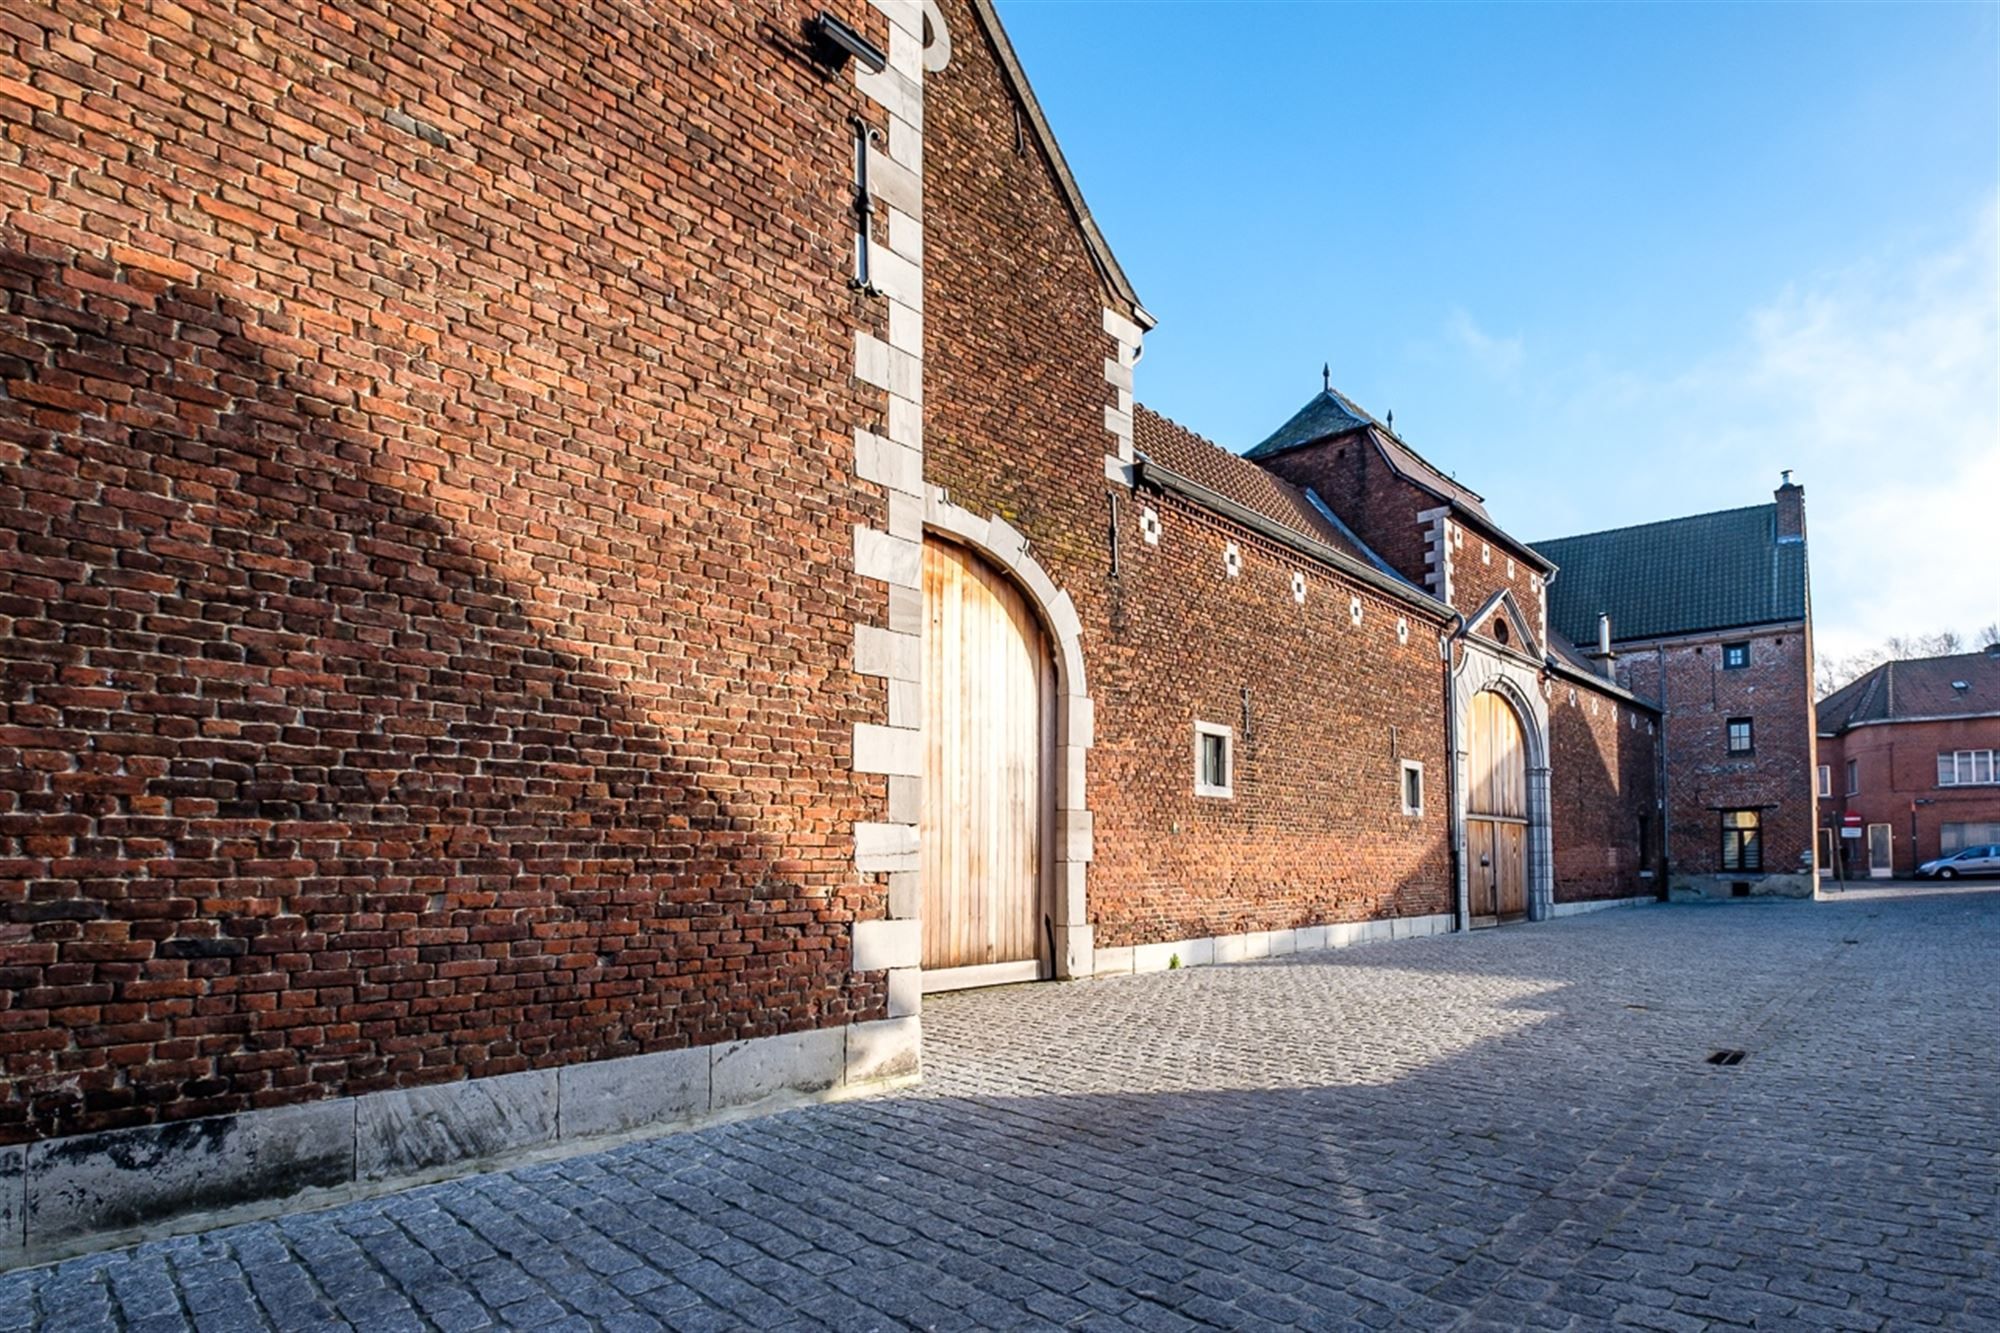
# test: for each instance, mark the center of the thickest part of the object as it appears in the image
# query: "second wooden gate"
(1496, 805)
(988, 791)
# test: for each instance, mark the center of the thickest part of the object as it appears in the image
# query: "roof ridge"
(1654, 523)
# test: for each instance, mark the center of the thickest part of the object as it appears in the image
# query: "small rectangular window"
(1982, 765)
(1853, 776)
(1413, 787)
(1739, 735)
(1825, 780)
(1947, 771)
(1213, 763)
(1735, 655)
(1742, 840)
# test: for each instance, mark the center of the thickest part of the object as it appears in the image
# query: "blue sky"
(1605, 263)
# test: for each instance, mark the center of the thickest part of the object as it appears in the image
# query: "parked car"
(1969, 861)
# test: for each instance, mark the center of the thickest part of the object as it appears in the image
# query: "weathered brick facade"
(1699, 696)
(425, 554)
(1604, 778)
(460, 548)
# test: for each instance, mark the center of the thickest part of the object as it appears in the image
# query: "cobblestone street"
(1516, 1129)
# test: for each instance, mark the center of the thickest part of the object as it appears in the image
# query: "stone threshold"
(1603, 904)
(88, 1192)
(1210, 950)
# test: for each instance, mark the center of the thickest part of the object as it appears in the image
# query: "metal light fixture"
(836, 41)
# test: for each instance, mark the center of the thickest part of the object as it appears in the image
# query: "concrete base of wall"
(1211, 949)
(1600, 904)
(1714, 888)
(90, 1192)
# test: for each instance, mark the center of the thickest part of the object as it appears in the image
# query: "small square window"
(1413, 787)
(1213, 763)
(1739, 735)
(1735, 655)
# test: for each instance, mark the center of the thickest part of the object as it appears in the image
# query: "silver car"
(1969, 861)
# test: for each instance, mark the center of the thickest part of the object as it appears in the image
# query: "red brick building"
(1710, 616)
(1911, 749)
(559, 571)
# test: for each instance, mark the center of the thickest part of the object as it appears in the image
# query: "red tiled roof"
(1233, 477)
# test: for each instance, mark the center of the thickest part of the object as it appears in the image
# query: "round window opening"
(1500, 630)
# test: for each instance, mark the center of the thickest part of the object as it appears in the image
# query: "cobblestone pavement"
(1515, 1129)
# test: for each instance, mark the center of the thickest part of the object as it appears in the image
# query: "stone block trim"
(1210, 950)
(893, 459)
(1128, 341)
(1000, 542)
(94, 1191)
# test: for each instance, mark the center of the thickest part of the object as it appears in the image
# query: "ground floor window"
(1742, 840)
(1958, 837)
(1214, 766)
(1413, 787)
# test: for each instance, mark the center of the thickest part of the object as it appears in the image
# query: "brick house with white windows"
(1913, 750)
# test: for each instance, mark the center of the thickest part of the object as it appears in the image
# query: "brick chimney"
(1791, 499)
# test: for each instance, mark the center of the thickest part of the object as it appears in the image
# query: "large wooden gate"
(988, 777)
(1496, 805)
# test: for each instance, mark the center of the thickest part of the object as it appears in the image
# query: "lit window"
(1742, 840)
(1739, 735)
(1413, 787)
(1212, 761)
(1735, 655)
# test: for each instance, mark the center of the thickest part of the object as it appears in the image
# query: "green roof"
(1681, 576)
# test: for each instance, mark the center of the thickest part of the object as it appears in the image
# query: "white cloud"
(1880, 384)
(1497, 356)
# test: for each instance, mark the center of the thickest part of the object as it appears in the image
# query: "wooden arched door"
(1496, 811)
(989, 685)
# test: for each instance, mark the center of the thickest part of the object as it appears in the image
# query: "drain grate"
(1726, 1057)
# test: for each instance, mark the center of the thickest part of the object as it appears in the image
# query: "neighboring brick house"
(1525, 712)
(1710, 616)
(1913, 749)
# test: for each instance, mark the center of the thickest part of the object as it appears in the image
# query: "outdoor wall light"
(834, 41)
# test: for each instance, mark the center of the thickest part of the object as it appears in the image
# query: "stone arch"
(1518, 682)
(1004, 546)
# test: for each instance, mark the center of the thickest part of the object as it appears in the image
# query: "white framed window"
(1968, 768)
(1825, 780)
(1413, 787)
(1214, 760)
(1853, 776)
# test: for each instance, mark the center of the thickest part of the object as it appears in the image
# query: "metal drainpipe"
(1453, 830)
(1666, 802)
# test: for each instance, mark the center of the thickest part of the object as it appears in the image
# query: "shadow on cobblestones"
(1513, 1129)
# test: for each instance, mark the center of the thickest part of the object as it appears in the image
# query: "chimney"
(1604, 657)
(1791, 499)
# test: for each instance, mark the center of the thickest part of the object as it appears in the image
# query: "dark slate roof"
(1680, 576)
(1233, 477)
(1564, 655)
(1331, 412)
(1920, 687)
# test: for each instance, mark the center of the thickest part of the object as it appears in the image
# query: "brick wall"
(1896, 767)
(1699, 697)
(1356, 482)
(1603, 780)
(425, 548)
(1314, 831)
(1480, 569)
